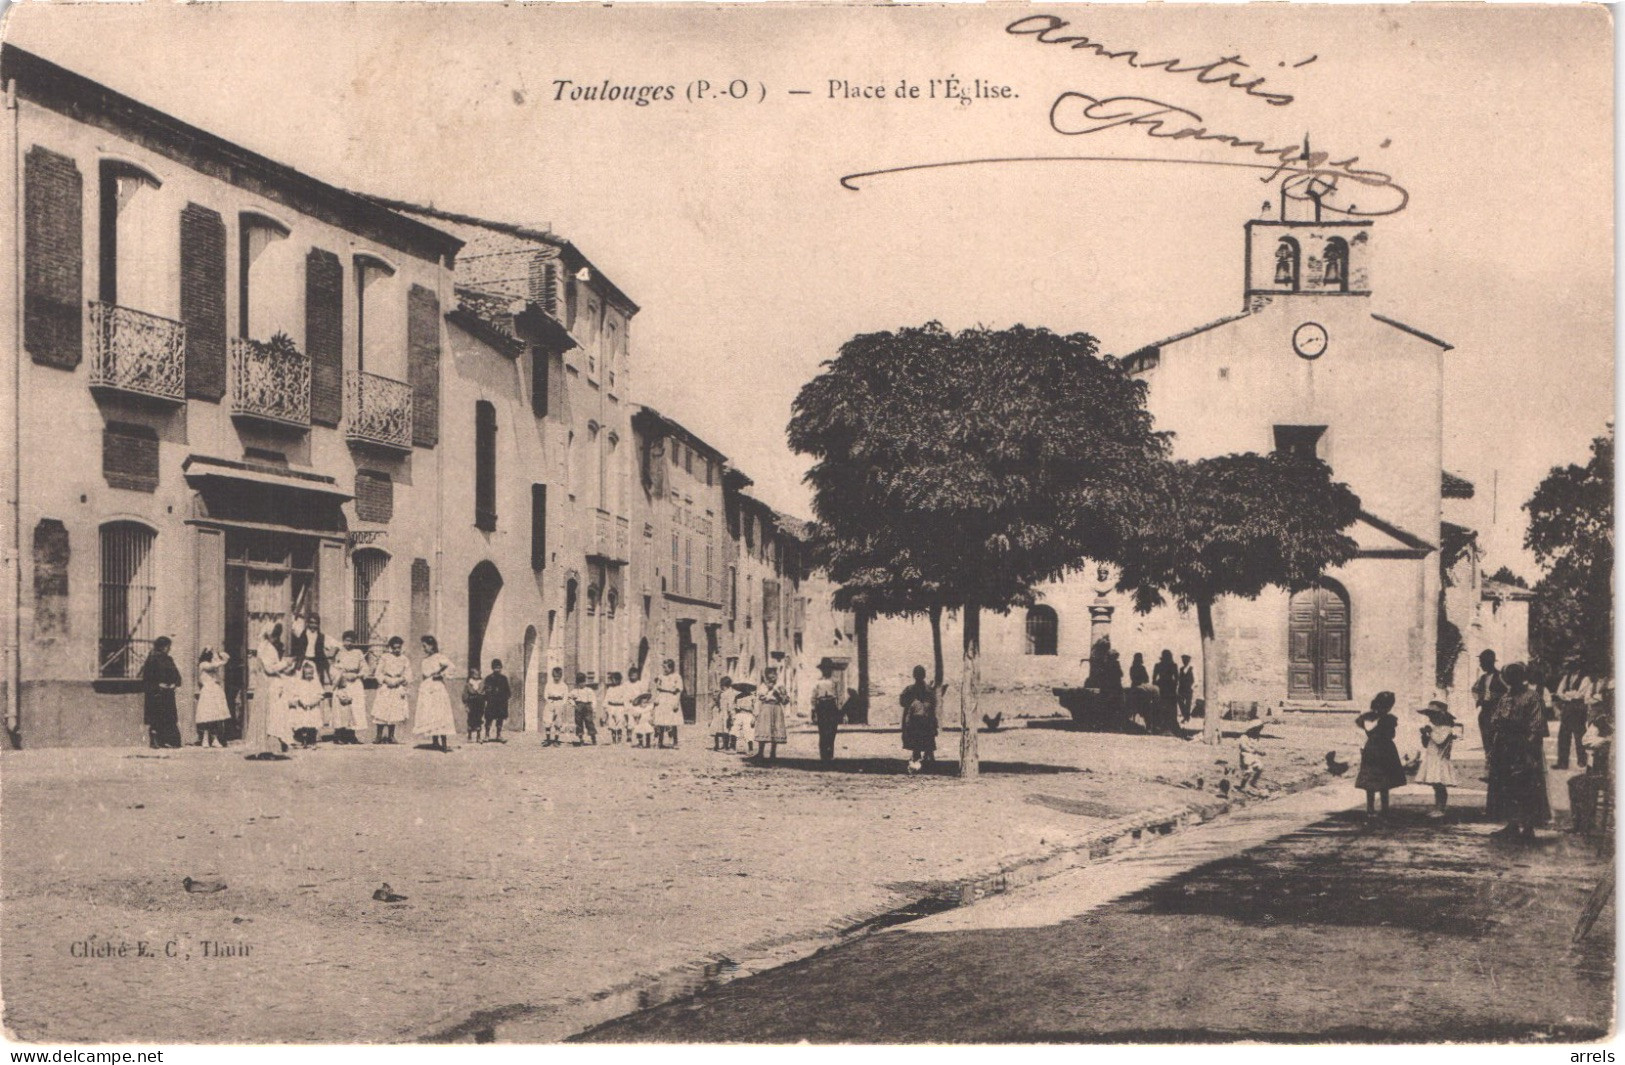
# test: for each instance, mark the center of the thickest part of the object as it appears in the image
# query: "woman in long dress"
(1517, 758)
(389, 701)
(668, 704)
(434, 716)
(771, 727)
(159, 680)
(272, 724)
(212, 710)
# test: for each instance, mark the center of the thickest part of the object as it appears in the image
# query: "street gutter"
(558, 1022)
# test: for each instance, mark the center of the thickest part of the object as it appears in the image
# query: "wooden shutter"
(130, 457)
(421, 602)
(324, 335)
(544, 285)
(540, 380)
(374, 496)
(485, 466)
(423, 351)
(538, 526)
(203, 301)
(51, 557)
(53, 267)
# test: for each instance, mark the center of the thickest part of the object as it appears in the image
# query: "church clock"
(1309, 340)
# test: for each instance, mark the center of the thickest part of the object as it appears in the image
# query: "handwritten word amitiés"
(1046, 29)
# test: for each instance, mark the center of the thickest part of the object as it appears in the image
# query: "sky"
(726, 219)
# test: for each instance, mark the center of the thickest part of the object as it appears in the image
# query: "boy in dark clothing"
(497, 693)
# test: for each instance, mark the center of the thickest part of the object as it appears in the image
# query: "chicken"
(995, 722)
(1333, 766)
(202, 887)
(387, 894)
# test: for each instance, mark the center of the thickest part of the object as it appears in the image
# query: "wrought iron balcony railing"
(270, 381)
(137, 353)
(379, 411)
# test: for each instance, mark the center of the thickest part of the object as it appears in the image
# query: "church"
(1305, 366)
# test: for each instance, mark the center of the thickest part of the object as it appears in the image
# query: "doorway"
(1318, 643)
(484, 585)
(270, 577)
(688, 666)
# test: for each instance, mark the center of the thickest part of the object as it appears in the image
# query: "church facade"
(1312, 363)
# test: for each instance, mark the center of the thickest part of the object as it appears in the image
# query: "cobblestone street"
(534, 879)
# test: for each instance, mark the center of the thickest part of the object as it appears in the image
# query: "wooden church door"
(1318, 644)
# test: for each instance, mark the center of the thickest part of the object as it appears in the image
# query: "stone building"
(539, 422)
(225, 404)
(1312, 363)
(680, 582)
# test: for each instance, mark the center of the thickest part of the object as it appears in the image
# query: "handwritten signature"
(1046, 29)
(1338, 186)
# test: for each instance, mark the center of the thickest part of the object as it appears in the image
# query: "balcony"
(611, 539)
(380, 411)
(270, 381)
(136, 353)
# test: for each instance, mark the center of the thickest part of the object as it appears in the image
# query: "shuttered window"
(324, 335)
(130, 457)
(203, 301)
(374, 496)
(53, 259)
(538, 526)
(485, 466)
(423, 349)
(420, 599)
(540, 381)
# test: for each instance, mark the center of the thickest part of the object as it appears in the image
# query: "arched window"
(1287, 255)
(1042, 629)
(1337, 264)
(128, 591)
(370, 601)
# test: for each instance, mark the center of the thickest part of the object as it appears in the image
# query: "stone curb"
(557, 1022)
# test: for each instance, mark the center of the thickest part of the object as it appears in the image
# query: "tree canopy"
(1235, 525)
(969, 466)
(1571, 533)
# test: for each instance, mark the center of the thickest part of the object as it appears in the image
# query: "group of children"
(1380, 766)
(625, 709)
(485, 699)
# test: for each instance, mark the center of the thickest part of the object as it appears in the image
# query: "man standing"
(1487, 691)
(1187, 687)
(826, 710)
(585, 696)
(1576, 692)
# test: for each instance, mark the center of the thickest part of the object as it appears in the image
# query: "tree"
(1234, 525)
(1571, 534)
(959, 470)
(1506, 576)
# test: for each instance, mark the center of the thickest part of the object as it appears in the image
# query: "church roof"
(1147, 357)
(1455, 486)
(1413, 331)
(1395, 542)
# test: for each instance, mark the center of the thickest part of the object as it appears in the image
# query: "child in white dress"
(1438, 768)
(434, 717)
(555, 705)
(389, 706)
(305, 695)
(722, 715)
(212, 711)
(742, 731)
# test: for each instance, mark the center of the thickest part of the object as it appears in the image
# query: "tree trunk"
(970, 677)
(860, 624)
(1210, 712)
(936, 647)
